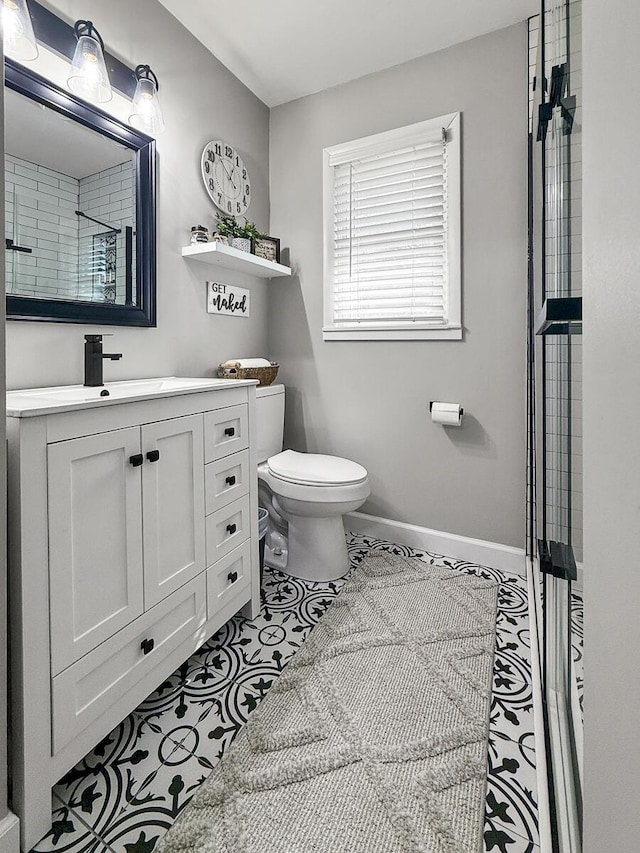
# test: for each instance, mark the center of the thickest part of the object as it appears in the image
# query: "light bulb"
(13, 29)
(146, 111)
(19, 39)
(88, 77)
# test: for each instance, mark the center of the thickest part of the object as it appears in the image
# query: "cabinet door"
(95, 541)
(173, 505)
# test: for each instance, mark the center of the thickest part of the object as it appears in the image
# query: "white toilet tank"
(270, 420)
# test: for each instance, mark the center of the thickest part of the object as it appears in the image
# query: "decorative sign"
(267, 248)
(227, 299)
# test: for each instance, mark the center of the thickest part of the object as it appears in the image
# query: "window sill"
(442, 333)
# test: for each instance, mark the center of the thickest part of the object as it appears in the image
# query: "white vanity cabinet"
(133, 538)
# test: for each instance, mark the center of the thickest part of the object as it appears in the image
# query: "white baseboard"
(10, 834)
(503, 557)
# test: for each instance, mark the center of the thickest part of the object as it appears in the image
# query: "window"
(392, 234)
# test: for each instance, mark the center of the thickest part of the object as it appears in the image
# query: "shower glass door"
(555, 421)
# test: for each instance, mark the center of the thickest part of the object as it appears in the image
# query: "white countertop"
(32, 402)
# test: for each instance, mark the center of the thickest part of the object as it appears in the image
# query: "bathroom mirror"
(79, 209)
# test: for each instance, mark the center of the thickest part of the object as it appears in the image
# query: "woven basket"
(265, 375)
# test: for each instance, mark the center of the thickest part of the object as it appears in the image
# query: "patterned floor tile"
(68, 834)
(512, 713)
(110, 777)
(501, 839)
(138, 830)
(512, 791)
(513, 655)
(116, 755)
(513, 611)
(577, 639)
(188, 704)
(131, 787)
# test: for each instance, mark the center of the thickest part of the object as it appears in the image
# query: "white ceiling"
(284, 49)
(43, 136)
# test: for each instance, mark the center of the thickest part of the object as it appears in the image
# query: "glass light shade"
(19, 40)
(146, 112)
(88, 78)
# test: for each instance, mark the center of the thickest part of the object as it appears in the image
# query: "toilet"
(306, 495)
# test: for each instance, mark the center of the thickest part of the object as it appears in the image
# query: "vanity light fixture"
(146, 111)
(88, 77)
(19, 40)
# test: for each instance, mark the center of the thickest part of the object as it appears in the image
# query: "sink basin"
(42, 401)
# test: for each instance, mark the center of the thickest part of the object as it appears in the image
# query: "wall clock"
(226, 178)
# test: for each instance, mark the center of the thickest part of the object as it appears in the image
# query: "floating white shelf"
(234, 259)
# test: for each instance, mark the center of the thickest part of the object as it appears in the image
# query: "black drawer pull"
(230, 431)
(232, 577)
(231, 529)
(230, 481)
(136, 460)
(153, 455)
(147, 646)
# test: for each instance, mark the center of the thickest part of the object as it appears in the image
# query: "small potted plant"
(249, 234)
(239, 236)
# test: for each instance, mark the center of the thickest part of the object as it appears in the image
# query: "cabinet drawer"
(226, 480)
(228, 578)
(227, 528)
(225, 432)
(89, 687)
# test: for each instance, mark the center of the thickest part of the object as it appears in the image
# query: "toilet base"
(317, 549)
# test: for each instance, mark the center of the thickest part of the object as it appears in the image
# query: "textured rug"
(374, 740)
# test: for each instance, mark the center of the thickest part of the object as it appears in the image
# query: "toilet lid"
(315, 469)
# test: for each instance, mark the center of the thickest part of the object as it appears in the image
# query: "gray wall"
(611, 345)
(201, 101)
(369, 401)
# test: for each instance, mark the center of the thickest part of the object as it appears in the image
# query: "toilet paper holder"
(433, 401)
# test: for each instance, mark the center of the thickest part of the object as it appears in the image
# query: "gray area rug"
(374, 739)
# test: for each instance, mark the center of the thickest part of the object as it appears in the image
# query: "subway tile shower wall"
(40, 207)
(109, 196)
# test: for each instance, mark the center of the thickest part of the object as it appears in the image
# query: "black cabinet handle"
(231, 528)
(232, 577)
(230, 481)
(230, 431)
(153, 455)
(136, 460)
(147, 645)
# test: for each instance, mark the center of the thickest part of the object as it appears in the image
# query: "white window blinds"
(387, 251)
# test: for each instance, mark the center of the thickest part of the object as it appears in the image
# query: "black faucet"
(93, 358)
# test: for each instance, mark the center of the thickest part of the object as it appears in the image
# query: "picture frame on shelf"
(267, 248)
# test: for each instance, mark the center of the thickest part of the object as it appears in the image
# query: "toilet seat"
(315, 469)
(313, 492)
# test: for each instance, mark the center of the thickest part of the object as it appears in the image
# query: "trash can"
(263, 524)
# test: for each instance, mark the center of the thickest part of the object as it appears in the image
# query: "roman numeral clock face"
(226, 178)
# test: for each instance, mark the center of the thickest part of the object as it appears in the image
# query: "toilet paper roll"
(447, 414)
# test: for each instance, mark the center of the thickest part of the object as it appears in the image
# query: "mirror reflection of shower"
(70, 209)
(104, 260)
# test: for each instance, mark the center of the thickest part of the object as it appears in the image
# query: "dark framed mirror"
(80, 209)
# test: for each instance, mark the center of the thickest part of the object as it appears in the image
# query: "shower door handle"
(11, 246)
